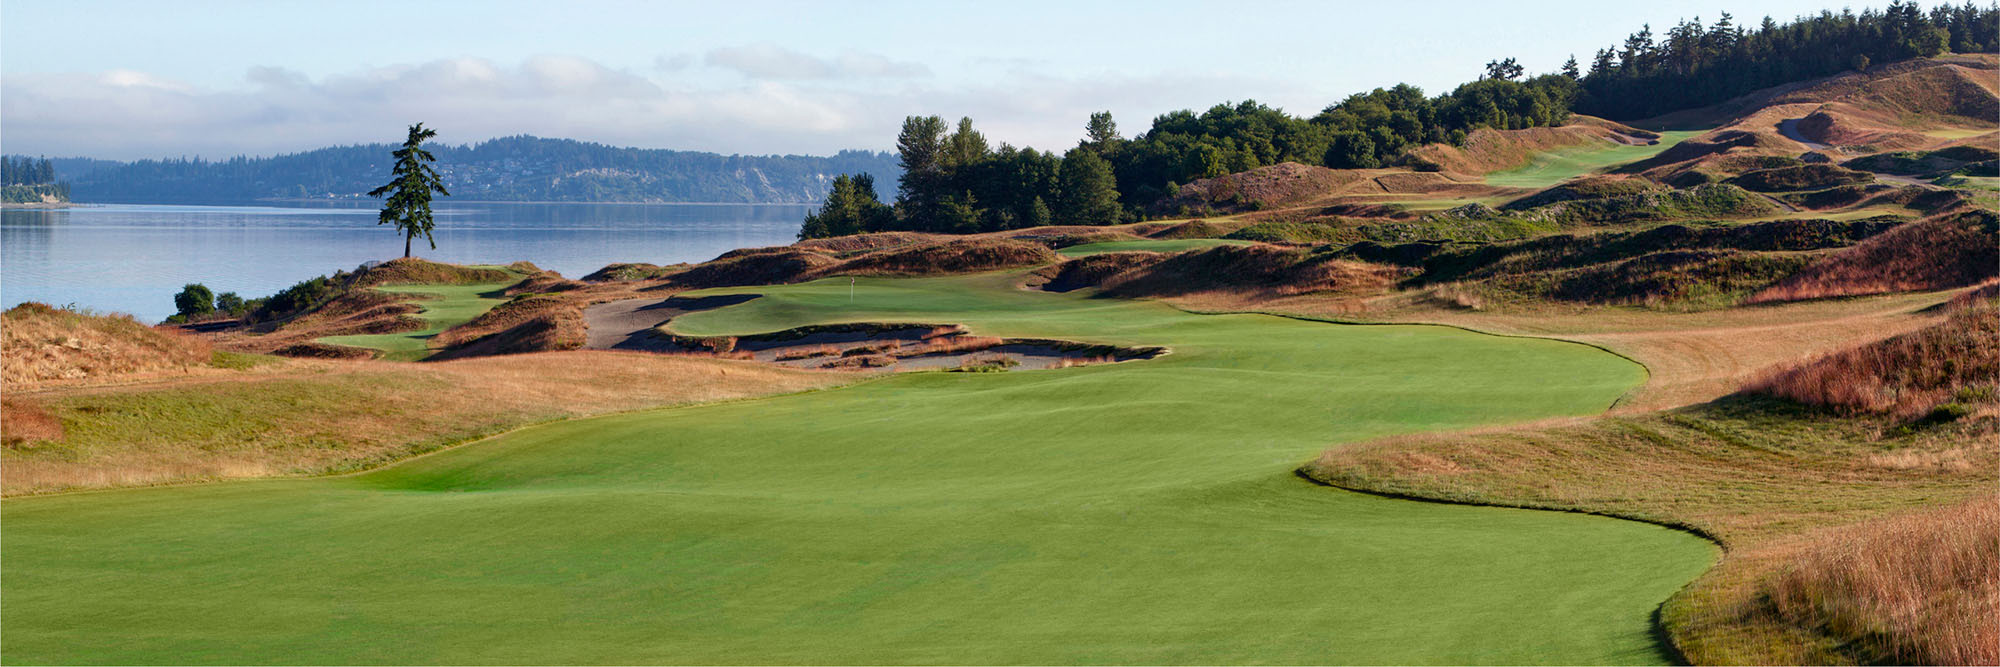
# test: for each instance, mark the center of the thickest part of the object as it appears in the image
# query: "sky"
(130, 80)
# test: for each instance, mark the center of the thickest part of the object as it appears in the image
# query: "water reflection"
(133, 258)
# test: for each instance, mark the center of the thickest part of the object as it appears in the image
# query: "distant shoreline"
(448, 200)
(42, 205)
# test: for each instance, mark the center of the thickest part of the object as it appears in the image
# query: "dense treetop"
(1694, 65)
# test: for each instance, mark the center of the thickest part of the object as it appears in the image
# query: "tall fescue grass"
(1951, 249)
(952, 345)
(1914, 589)
(808, 352)
(1954, 362)
(41, 343)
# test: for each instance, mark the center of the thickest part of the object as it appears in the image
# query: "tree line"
(1695, 65)
(518, 168)
(953, 182)
(24, 170)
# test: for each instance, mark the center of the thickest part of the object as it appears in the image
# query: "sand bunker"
(636, 325)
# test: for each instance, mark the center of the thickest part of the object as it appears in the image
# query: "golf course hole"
(900, 347)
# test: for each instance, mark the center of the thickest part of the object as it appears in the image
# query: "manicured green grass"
(444, 307)
(1149, 245)
(1556, 166)
(1142, 512)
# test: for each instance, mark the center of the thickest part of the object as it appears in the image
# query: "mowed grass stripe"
(1142, 512)
(1552, 167)
(444, 307)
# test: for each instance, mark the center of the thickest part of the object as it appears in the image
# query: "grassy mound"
(1275, 186)
(440, 307)
(1546, 168)
(965, 256)
(1090, 270)
(632, 271)
(1596, 187)
(1296, 233)
(1941, 372)
(1710, 265)
(1800, 177)
(1192, 229)
(41, 343)
(754, 266)
(1255, 269)
(340, 417)
(414, 271)
(857, 243)
(1947, 250)
(1145, 245)
(1924, 163)
(527, 323)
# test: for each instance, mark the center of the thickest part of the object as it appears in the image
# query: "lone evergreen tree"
(409, 204)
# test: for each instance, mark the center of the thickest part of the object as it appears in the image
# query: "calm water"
(133, 258)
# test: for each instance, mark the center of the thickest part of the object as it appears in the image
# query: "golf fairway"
(1141, 512)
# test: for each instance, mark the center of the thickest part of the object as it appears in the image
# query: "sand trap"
(633, 324)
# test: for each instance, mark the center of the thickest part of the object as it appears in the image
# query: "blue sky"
(149, 79)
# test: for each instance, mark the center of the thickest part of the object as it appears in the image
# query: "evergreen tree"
(1507, 70)
(1101, 134)
(1089, 193)
(966, 147)
(1569, 69)
(1038, 215)
(920, 150)
(408, 206)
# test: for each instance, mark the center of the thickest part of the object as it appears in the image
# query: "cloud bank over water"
(754, 99)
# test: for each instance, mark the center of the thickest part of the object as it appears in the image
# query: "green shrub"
(193, 300)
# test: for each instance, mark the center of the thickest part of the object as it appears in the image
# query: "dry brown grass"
(1275, 186)
(806, 352)
(1690, 357)
(1253, 272)
(415, 271)
(40, 343)
(1951, 249)
(951, 345)
(536, 323)
(24, 420)
(340, 416)
(1905, 376)
(959, 256)
(1488, 150)
(1920, 588)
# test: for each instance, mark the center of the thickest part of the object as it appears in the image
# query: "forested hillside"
(519, 168)
(953, 181)
(1696, 65)
(25, 180)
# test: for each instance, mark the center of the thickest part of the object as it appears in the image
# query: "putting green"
(1552, 167)
(444, 307)
(1149, 245)
(1141, 512)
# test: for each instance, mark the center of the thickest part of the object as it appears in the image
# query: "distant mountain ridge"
(519, 168)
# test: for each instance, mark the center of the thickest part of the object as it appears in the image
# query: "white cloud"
(130, 114)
